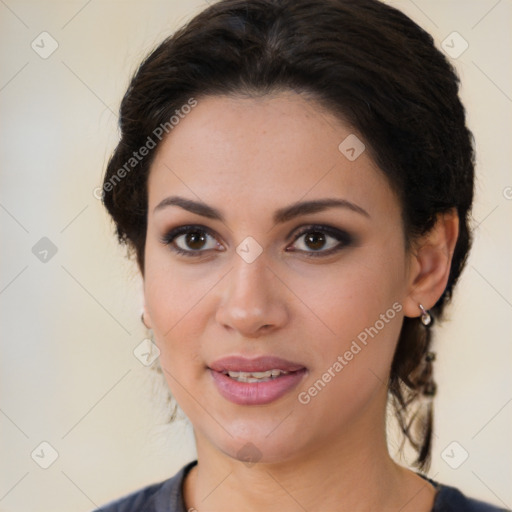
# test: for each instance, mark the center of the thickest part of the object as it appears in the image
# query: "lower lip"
(256, 393)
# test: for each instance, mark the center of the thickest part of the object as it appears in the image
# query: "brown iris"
(195, 240)
(314, 240)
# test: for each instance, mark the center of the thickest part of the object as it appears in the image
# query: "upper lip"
(257, 364)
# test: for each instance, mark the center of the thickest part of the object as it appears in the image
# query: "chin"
(262, 442)
(260, 451)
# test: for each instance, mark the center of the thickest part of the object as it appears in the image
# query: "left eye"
(322, 240)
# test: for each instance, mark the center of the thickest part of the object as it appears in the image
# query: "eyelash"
(344, 239)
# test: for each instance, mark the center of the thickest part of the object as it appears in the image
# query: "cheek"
(353, 294)
(171, 297)
(173, 307)
(361, 315)
(351, 368)
(172, 289)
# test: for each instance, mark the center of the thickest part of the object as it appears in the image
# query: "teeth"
(256, 376)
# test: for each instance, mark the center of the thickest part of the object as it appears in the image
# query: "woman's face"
(314, 293)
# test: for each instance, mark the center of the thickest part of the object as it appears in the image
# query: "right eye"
(191, 241)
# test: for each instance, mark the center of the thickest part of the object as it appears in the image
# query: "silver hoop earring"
(142, 320)
(426, 319)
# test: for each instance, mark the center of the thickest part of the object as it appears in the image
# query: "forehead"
(265, 152)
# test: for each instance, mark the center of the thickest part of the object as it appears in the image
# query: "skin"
(249, 157)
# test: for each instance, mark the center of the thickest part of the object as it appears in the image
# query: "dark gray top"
(167, 496)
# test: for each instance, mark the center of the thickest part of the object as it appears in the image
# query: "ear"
(430, 264)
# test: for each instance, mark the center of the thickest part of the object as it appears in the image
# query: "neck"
(352, 471)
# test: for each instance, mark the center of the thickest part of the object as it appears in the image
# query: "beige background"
(69, 325)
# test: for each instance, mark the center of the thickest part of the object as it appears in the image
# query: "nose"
(253, 299)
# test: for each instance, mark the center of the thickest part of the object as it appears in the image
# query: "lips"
(255, 381)
(259, 364)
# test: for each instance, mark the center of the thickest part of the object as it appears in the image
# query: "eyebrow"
(280, 216)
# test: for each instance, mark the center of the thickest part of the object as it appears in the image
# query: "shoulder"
(164, 496)
(451, 499)
(143, 500)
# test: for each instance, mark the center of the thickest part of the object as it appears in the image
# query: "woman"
(295, 180)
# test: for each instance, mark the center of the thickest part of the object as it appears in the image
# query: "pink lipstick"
(255, 381)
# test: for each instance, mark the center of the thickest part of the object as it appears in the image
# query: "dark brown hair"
(364, 61)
